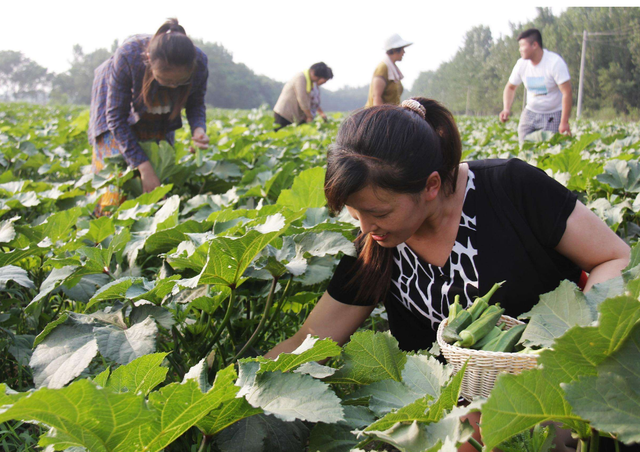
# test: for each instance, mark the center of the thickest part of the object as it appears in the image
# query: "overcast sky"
(274, 38)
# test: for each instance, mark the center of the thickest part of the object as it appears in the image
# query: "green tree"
(74, 85)
(22, 78)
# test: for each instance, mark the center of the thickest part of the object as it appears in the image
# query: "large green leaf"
(310, 350)
(64, 353)
(229, 257)
(140, 376)
(424, 410)
(371, 357)
(125, 345)
(555, 313)
(518, 402)
(180, 406)
(16, 274)
(580, 350)
(622, 174)
(85, 416)
(100, 229)
(289, 396)
(261, 433)
(307, 190)
(610, 401)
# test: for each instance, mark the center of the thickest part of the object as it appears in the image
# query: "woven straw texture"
(484, 367)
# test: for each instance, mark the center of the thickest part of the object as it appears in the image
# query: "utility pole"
(468, 100)
(585, 34)
(581, 82)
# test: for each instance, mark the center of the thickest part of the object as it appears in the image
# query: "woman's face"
(172, 76)
(391, 218)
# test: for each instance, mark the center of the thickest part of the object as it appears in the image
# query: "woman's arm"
(329, 318)
(195, 107)
(378, 84)
(589, 243)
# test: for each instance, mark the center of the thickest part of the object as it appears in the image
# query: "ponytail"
(442, 121)
(169, 47)
(395, 149)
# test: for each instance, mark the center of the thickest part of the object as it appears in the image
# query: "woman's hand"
(200, 138)
(148, 176)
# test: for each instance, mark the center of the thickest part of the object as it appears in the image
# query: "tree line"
(230, 84)
(471, 82)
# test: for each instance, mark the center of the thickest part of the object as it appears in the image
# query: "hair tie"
(415, 106)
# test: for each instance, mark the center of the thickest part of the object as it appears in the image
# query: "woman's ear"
(432, 188)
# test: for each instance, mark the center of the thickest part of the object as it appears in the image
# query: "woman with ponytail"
(138, 95)
(433, 227)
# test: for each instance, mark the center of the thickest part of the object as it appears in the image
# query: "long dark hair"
(392, 148)
(169, 47)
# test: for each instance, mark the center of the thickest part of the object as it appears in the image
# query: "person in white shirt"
(546, 77)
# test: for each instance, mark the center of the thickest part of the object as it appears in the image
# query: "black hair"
(321, 70)
(393, 148)
(532, 35)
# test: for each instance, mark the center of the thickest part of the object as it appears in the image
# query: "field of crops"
(143, 330)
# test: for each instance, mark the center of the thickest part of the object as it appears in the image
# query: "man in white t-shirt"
(546, 77)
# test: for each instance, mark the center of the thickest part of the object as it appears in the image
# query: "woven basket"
(483, 367)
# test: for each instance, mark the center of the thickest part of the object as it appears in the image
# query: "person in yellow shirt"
(299, 100)
(386, 85)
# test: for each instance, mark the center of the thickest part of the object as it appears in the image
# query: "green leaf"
(7, 232)
(425, 375)
(140, 376)
(100, 229)
(182, 405)
(55, 279)
(622, 174)
(371, 357)
(310, 350)
(332, 438)
(555, 313)
(263, 433)
(424, 410)
(146, 199)
(59, 224)
(64, 352)
(610, 401)
(8, 396)
(85, 416)
(115, 290)
(229, 257)
(580, 350)
(16, 274)
(290, 396)
(519, 402)
(167, 239)
(385, 396)
(307, 190)
(123, 346)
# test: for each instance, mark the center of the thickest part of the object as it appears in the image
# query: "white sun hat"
(394, 42)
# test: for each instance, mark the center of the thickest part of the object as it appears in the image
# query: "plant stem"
(203, 444)
(584, 445)
(225, 321)
(263, 320)
(475, 444)
(616, 444)
(594, 443)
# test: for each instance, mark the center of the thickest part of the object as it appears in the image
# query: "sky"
(273, 38)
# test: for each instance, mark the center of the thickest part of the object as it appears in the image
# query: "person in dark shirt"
(138, 95)
(433, 228)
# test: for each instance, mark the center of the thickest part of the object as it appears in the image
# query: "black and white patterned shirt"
(426, 289)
